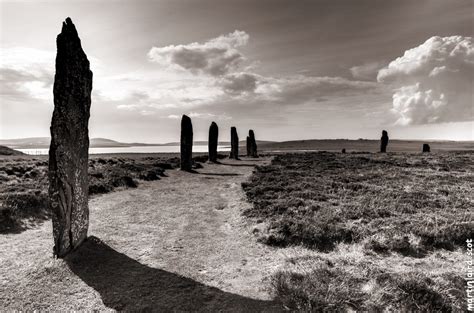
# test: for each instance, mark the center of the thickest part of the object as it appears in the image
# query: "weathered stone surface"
(253, 145)
(426, 147)
(213, 142)
(384, 141)
(186, 143)
(68, 151)
(234, 144)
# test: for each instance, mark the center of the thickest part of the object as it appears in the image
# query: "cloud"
(237, 83)
(249, 94)
(219, 62)
(202, 116)
(433, 82)
(210, 81)
(367, 71)
(141, 102)
(26, 73)
(214, 57)
(300, 89)
(209, 116)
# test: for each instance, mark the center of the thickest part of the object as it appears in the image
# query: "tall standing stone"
(213, 142)
(426, 147)
(384, 141)
(234, 144)
(186, 143)
(249, 147)
(69, 148)
(253, 145)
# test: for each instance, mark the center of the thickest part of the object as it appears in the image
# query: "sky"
(286, 69)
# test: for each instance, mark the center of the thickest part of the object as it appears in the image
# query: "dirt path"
(179, 243)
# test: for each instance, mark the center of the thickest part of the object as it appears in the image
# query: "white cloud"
(217, 117)
(367, 71)
(433, 82)
(26, 73)
(209, 116)
(214, 57)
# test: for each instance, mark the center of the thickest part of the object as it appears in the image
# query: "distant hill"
(364, 145)
(7, 151)
(33, 142)
(221, 143)
(43, 142)
(294, 145)
(104, 142)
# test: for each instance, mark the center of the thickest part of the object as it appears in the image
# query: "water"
(132, 149)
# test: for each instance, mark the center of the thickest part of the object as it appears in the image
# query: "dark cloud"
(237, 83)
(300, 89)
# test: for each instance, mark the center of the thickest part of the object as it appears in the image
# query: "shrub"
(29, 203)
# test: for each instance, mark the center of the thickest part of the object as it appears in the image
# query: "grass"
(24, 182)
(24, 188)
(410, 206)
(350, 278)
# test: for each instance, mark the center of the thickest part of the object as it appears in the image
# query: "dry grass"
(391, 207)
(352, 278)
(24, 188)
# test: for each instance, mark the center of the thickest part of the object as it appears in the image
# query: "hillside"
(7, 151)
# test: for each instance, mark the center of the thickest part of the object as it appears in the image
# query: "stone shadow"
(127, 285)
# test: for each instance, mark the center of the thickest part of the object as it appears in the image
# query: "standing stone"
(426, 147)
(213, 141)
(186, 143)
(343, 150)
(253, 145)
(384, 141)
(249, 152)
(234, 144)
(69, 148)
